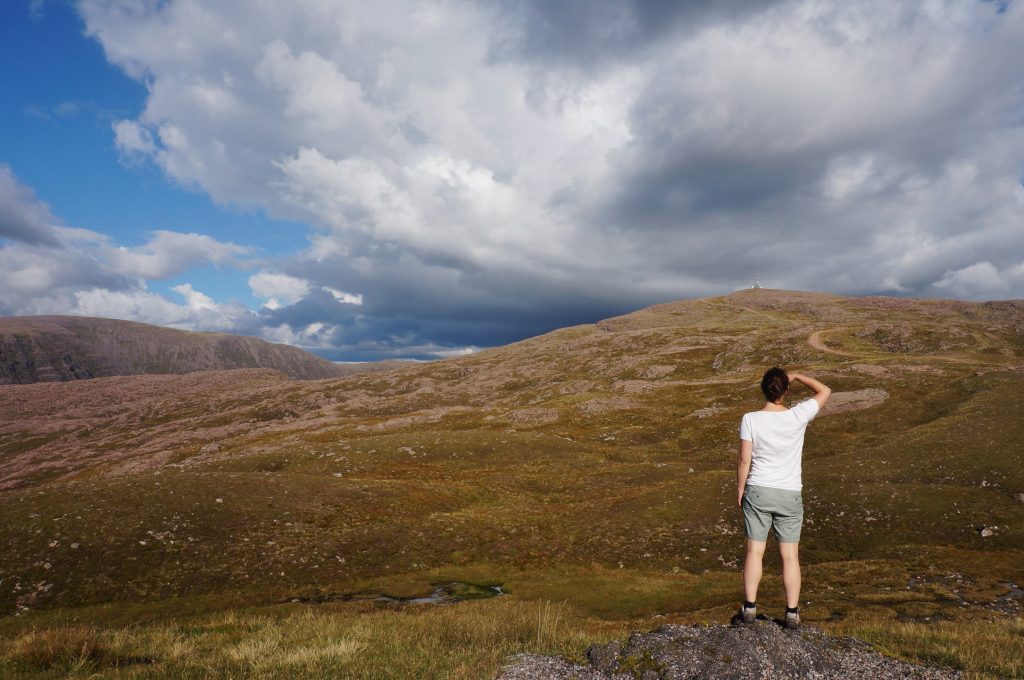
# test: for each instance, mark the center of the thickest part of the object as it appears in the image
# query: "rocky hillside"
(60, 348)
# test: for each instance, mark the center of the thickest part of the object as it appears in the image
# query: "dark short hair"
(774, 383)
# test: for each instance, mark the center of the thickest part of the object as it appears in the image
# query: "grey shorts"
(766, 508)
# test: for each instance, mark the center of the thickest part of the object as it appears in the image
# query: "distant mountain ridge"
(61, 348)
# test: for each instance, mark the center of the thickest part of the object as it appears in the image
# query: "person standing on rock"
(769, 483)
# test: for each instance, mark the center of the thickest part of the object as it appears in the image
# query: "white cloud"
(133, 139)
(393, 124)
(169, 253)
(347, 298)
(199, 312)
(980, 281)
(36, 9)
(316, 95)
(393, 121)
(135, 305)
(194, 300)
(454, 352)
(312, 336)
(38, 279)
(278, 289)
(80, 271)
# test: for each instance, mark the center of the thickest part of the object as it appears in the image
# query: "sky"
(421, 179)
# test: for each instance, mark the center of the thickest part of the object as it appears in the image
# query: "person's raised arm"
(821, 391)
(743, 468)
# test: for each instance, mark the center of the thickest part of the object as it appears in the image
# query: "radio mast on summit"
(756, 283)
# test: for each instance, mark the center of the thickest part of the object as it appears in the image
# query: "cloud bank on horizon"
(472, 173)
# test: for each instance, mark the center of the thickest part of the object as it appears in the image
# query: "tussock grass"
(471, 640)
(982, 648)
(75, 648)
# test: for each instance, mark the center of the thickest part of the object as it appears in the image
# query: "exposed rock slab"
(763, 651)
(605, 404)
(856, 400)
(532, 416)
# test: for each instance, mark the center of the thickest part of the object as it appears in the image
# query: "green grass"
(468, 641)
(984, 648)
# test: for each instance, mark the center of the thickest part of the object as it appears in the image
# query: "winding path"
(815, 341)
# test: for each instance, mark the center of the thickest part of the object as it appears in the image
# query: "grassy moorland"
(230, 523)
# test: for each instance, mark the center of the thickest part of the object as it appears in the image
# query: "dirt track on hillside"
(814, 340)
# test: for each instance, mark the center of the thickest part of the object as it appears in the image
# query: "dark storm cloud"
(23, 217)
(587, 34)
(373, 335)
(674, 170)
(318, 306)
(688, 185)
(736, 179)
(420, 308)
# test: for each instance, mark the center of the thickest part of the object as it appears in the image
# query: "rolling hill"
(61, 348)
(588, 472)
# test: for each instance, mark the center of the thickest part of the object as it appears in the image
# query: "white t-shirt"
(778, 438)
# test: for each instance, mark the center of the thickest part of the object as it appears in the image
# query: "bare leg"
(752, 569)
(790, 572)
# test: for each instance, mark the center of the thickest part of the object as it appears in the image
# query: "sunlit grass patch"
(984, 648)
(74, 648)
(471, 640)
(616, 594)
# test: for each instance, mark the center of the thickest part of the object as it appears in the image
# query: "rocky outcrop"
(763, 651)
(856, 400)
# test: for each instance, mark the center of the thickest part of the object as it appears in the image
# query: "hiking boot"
(747, 614)
(792, 621)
